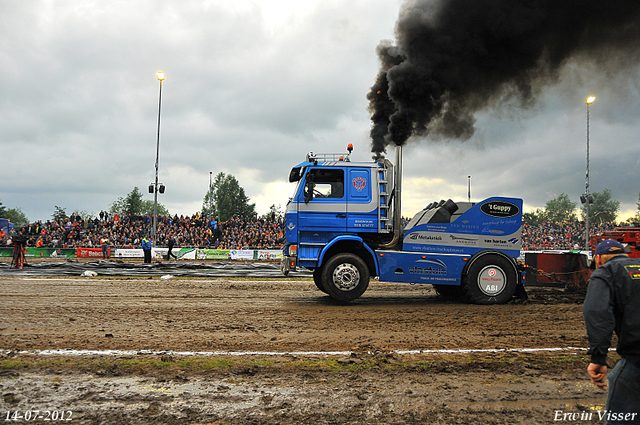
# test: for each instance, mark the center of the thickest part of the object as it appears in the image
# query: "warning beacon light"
(350, 147)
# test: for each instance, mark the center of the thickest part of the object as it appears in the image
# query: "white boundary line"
(78, 353)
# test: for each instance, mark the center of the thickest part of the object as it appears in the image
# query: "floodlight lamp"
(590, 100)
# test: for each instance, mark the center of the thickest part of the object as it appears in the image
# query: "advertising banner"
(267, 254)
(90, 252)
(50, 252)
(129, 253)
(185, 253)
(241, 254)
(213, 254)
(159, 253)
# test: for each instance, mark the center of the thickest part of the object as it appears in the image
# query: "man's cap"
(608, 247)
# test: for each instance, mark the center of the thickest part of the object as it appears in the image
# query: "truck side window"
(328, 183)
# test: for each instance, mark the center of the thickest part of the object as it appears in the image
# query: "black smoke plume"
(454, 58)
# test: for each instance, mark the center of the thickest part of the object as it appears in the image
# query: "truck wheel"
(317, 279)
(491, 279)
(345, 277)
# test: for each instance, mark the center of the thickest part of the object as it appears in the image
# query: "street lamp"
(587, 198)
(160, 77)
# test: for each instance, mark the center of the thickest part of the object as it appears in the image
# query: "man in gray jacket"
(613, 304)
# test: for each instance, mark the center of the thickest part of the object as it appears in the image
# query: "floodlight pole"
(589, 101)
(160, 77)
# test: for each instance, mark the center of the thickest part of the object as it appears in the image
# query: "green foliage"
(603, 209)
(17, 217)
(147, 209)
(85, 214)
(274, 212)
(227, 198)
(133, 204)
(59, 213)
(561, 209)
(209, 202)
(535, 218)
(14, 215)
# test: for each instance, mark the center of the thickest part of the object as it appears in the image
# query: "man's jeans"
(624, 394)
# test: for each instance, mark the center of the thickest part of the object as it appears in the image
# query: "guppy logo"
(500, 209)
(432, 267)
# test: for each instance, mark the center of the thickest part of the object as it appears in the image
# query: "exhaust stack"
(397, 201)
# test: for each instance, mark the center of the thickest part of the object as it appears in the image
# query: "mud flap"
(521, 292)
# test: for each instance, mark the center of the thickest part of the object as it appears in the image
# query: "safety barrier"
(158, 253)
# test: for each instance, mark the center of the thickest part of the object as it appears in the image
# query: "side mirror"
(308, 189)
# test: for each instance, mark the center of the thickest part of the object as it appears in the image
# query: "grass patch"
(141, 365)
(15, 364)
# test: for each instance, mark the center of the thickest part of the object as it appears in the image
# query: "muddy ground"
(382, 359)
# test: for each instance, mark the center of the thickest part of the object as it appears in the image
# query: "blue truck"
(344, 223)
(6, 226)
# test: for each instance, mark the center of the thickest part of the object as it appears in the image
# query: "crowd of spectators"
(559, 236)
(199, 231)
(196, 231)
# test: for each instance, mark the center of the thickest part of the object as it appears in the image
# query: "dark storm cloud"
(455, 58)
(243, 94)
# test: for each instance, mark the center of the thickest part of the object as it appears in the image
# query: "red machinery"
(628, 236)
(569, 269)
(560, 269)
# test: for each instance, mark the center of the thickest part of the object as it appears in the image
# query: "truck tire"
(491, 279)
(317, 279)
(345, 277)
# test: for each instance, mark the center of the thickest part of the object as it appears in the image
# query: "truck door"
(362, 208)
(325, 207)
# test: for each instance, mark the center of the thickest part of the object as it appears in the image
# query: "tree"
(147, 209)
(14, 215)
(227, 198)
(603, 209)
(58, 213)
(534, 218)
(561, 209)
(133, 204)
(86, 216)
(275, 212)
(209, 202)
(17, 217)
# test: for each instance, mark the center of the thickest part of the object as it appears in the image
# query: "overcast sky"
(250, 88)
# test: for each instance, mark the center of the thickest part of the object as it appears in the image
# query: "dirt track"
(380, 379)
